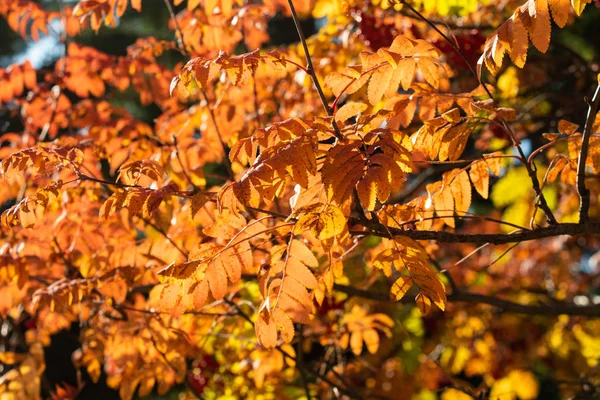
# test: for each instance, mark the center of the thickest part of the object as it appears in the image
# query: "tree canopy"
(337, 199)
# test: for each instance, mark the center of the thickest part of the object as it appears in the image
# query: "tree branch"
(465, 297)
(570, 229)
(584, 192)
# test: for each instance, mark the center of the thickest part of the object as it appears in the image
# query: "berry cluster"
(470, 44)
(200, 373)
(374, 32)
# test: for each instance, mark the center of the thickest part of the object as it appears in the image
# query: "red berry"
(201, 372)
(470, 45)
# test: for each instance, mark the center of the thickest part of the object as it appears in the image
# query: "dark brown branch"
(584, 192)
(481, 238)
(311, 71)
(554, 309)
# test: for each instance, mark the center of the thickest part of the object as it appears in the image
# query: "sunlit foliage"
(388, 208)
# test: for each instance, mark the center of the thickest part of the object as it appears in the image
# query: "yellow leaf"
(356, 342)
(539, 32)
(367, 192)
(350, 109)
(520, 42)
(301, 273)
(400, 287)
(525, 384)
(284, 324)
(579, 5)
(556, 167)
(567, 128)
(423, 303)
(560, 11)
(461, 191)
(324, 220)
(443, 203)
(371, 339)
(455, 394)
(266, 332)
(200, 294)
(480, 176)
(217, 281)
(197, 202)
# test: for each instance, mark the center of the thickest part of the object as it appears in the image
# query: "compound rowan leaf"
(531, 21)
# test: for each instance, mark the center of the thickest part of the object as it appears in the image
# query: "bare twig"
(189, 178)
(532, 172)
(166, 236)
(311, 71)
(300, 362)
(447, 39)
(213, 119)
(179, 32)
(584, 192)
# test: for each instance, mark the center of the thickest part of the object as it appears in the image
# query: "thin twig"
(446, 272)
(300, 361)
(226, 160)
(447, 39)
(505, 252)
(166, 236)
(179, 32)
(584, 192)
(189, 179)
(312, 73)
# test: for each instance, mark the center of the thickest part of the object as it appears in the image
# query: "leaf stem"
(584, 192)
